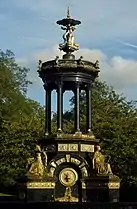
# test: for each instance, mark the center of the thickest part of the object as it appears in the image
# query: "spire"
(68, 13)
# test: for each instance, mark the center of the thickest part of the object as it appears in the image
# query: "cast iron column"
(77, 118)
(48, 111)
(59, 106)
(89, 107)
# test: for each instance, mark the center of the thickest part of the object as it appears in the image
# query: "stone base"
(102, 189)
(36, 189)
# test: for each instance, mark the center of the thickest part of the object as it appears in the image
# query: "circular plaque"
(68, 177)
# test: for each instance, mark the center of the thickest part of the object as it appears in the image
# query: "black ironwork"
(89, 107)
(77, 115)
(59, 106)
(48, 110)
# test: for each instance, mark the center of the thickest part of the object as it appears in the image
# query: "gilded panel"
(60, 161)
(62, 147)
(113, 185)
(73, 147)
(75, 161)
(87, 148)
(39, 185)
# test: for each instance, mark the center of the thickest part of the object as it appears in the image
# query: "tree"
(21, 119)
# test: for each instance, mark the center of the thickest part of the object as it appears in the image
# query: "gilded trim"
(40, 185)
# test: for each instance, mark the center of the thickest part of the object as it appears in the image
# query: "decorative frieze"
(40, 185)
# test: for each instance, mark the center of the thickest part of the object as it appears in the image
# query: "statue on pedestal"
(69, 26)
(68, 38)
(67, 197)
(37, 167)
(99, 164)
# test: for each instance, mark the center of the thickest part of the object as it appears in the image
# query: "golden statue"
(69, 38)
(67, 197)
(99, 164)
(37, 167)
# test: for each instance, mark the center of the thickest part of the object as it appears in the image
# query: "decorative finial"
(39, 65)
(68, 13)
(97, 64)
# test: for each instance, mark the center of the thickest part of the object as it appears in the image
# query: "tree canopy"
(21, 119)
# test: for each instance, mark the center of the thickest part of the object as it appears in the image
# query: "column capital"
(89, 86)
(59, 82)
(46, 86)
(77, 83)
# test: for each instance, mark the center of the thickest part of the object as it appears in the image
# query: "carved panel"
(113, 185)
(68, 158)
(60, 161)
(82, 165)
(52, 170)
(67, 147)
(53, 164)
(75, 161)
(35, 185)
(62, 147)
(84, 171)
(72, 147)
(83, 185)
(87, 148)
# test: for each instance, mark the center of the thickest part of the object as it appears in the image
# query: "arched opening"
(68, 112)
(82, 110)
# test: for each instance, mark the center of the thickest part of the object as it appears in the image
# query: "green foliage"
(21, 119)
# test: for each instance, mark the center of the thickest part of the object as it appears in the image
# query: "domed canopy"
(70, 74)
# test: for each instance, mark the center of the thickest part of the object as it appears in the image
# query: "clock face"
(68, 177)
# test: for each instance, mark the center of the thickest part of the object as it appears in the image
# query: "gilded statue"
(37, 167)
(67, 197)
(68, 38)
(99, 164)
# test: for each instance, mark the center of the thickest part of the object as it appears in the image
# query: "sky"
(108, 32)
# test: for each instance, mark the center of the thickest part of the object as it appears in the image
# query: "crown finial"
(68, 13)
